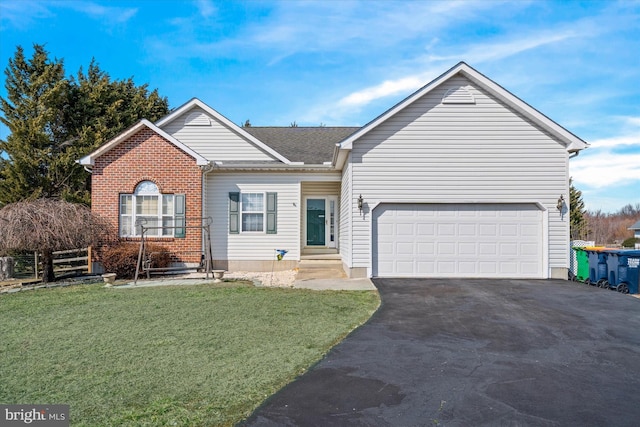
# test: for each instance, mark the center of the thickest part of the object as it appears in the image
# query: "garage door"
(457, 240)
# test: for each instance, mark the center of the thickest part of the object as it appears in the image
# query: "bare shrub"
(123, 257)
(49, 225)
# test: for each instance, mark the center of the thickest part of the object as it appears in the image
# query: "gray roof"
(635, 226)
(311, 145)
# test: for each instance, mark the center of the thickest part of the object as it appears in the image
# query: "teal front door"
(316, 222)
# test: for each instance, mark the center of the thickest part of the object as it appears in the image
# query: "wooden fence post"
(36, 263)
(89, 262)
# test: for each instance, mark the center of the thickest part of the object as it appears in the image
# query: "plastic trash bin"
(628, 271)
(582, 258)
(597, 266)
(615, 260)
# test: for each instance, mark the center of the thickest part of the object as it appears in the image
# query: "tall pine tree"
(54, 121)
(577, 218)
(33, 111)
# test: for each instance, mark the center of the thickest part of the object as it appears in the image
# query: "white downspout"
(205, 170)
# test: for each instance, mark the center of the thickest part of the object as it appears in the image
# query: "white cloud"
(97, 11)
(606, 168)
(475, 54)
(633, 121)
(21, 14)
(612, 161)
(617, 141)
(351, 27)
(206, 8)
(495, 51)
(384, 89)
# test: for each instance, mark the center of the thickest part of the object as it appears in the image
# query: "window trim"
(269, 212)
(177, 204)
(262, 212)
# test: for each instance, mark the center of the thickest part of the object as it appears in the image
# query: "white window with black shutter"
(253, 213)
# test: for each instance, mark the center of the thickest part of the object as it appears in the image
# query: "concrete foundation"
(255, 265)
(355, 272)
(559, 273)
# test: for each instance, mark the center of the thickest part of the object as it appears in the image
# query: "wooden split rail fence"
(29, 265)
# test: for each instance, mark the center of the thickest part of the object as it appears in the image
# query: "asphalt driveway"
(473, 353)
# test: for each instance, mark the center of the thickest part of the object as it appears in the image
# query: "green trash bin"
(582, 272)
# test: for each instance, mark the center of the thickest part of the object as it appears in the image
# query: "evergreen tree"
(33, 110)
(54, 121)
(578, 221)
(102, 108)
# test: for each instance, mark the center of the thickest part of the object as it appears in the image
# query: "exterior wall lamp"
(562, 207)
(360, 202)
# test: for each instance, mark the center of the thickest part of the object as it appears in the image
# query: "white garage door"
(457, 240)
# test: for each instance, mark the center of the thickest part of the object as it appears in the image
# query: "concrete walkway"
(318, 275)
(342, 284)
(328, 274)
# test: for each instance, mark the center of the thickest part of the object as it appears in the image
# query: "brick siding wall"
(146, 156)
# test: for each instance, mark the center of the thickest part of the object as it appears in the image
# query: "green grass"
(190, 355)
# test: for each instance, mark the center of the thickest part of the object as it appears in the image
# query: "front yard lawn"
(180, 355)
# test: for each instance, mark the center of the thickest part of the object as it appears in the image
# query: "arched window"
(162, 214)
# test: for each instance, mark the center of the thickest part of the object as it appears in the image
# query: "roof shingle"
(311, 145)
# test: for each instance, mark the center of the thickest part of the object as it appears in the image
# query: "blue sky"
(345, 62)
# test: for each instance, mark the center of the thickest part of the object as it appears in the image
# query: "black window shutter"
(272, 213)
(234, 214)
(179, 216)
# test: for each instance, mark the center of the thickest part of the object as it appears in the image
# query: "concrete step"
(319, 251)
(320, 269)
(319, 263)
(321, 273)
(329, 257)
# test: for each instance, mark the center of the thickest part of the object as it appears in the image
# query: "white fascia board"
(571, 141)
(195, 102)
(341, 158)
(89, 160)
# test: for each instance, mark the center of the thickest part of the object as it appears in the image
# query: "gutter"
(86, 167)
(335, 154)
(276, 167)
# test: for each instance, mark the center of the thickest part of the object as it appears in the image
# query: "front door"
(321, 221)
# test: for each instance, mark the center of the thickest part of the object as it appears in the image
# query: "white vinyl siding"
(346, 214)
(459, 153)
(215, 141)
(258, 246)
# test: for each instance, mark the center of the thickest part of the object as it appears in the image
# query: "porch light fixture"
(360, 201)
(562, 207)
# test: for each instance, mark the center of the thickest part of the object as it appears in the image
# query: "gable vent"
(458, 95)
(197, 119)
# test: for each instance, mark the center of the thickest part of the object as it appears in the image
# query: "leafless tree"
(611, 228)
(49, 225)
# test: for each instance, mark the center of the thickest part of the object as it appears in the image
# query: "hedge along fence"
(28, 265)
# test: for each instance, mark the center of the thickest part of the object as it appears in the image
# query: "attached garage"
(458, 240)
